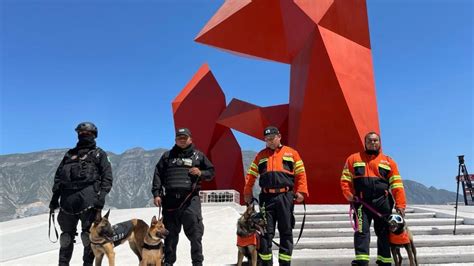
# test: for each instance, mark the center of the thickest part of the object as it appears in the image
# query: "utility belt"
(180, 194)
(276, 190)
(76, 185)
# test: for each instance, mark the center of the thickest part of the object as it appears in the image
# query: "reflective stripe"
(384, 166)
(286, 158)
(396, 185)
(251, 172)
(359, 164)
(359, 217)
(384, 260)
(299, 170)
(394, 178)
(262, 160)
(346, 178)
(265, 256)
(253, 165)
(298, 163)
(284, 257)
(347, 172)
(362, 257)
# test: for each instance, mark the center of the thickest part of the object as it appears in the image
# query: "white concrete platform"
(25, 241)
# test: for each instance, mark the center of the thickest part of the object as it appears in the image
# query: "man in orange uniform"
(372, 177)
(282, 179)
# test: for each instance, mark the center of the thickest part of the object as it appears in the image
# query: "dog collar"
(147, 246)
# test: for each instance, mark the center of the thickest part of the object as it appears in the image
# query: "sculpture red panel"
(197, 107)
(332, 92)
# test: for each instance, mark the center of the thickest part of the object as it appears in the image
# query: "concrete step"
(345, 217)
(461, 229)
(410, 222)
(348, 242)
(334, 211)
(425, 255)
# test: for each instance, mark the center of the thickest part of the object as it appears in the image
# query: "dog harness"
(244, 241)
(399, 239)
(121, 231)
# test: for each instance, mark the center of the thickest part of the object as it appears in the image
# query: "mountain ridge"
(27, 179)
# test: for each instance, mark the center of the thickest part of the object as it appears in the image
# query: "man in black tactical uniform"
(82, 180)
(176, 185)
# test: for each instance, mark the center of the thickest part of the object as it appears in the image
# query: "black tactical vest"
(177, 173)
(80, 171)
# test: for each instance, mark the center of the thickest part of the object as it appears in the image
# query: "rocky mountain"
(27, 179)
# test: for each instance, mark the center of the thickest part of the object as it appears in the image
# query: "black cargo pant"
(383, 205)
(190, 218)
(68, 224)
(278, 209)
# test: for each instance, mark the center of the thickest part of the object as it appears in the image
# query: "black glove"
(54, 203)
(100, 200)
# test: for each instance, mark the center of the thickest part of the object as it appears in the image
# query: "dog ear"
(153, 220)
(107, 214)
(98, 217)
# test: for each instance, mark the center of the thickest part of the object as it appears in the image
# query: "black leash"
(302, 224)
(51, 217)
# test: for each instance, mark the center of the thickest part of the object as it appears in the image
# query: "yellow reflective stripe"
(265, 256)
(358, 164)
(253, 165)
(384, 259)
(396, 185)
(347, 172)
(286, 158)
(299, 170)
(251, 172)
(262, 160)
(284, 257)
(299, 163)
(384, 166)
(346, 178)
(362, 257)
(394, 178)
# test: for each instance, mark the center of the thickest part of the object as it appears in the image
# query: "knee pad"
(85, 239)
(66, 239)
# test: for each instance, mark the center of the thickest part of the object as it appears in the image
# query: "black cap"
(271, 130)
(183, 131)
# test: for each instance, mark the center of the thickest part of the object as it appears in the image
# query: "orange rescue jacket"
(400, 239)
(277, 168)
(380, 170)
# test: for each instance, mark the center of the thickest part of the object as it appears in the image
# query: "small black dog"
(399, 237)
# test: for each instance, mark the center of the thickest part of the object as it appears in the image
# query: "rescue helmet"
(87, 126)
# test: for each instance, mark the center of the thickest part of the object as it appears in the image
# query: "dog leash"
(51, 217)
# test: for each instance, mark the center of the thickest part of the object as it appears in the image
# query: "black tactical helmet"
(87, 126)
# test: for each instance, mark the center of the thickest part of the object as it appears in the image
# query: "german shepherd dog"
(152, 252)
(104, 237)
(400, 236)
(249, 226)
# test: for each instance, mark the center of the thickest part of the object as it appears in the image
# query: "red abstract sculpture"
(198, 107)
(332, 92)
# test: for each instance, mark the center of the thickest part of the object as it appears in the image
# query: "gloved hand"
(54, 203)
(100, 200)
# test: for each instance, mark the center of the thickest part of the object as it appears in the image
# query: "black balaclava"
(86, 141)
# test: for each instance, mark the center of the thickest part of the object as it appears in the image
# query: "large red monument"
(332, 93)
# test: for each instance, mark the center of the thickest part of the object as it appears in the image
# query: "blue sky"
(121, 63)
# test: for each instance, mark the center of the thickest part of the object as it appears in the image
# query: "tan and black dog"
(400, 236)
(249, 226)
(104, 237)
(152, 252)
